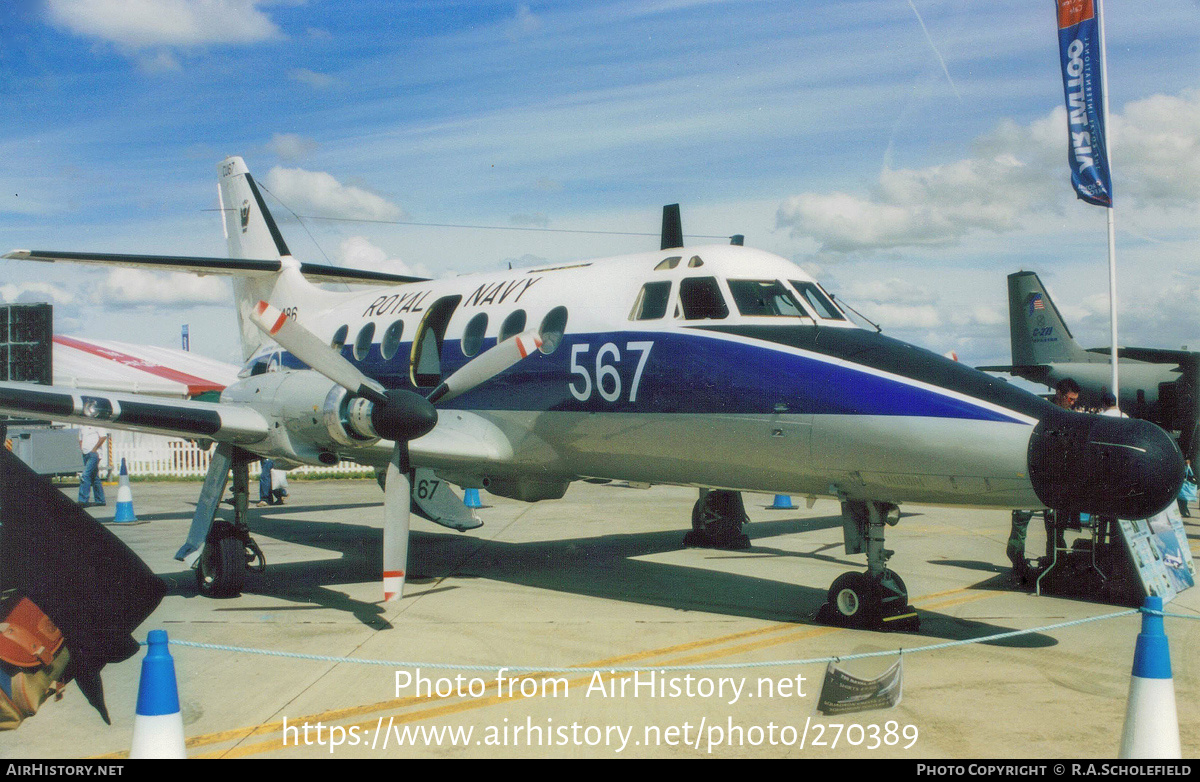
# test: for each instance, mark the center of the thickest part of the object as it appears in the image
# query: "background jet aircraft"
(1157, 384)
(718, 367)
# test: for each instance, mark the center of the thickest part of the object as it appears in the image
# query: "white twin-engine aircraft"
(719, 367)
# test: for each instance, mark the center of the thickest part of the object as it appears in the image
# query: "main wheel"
(221, 570)
(717, 522)
(855, 600)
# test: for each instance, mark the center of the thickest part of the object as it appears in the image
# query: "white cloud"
(524, 23)
(290, 146)
(320, 194)
(161, 62)
(1018, 173)
(1157, 141)
(138, 24)
(35, 292)
(890, 291)
(318, 81)
(357, 252)
(137, 287)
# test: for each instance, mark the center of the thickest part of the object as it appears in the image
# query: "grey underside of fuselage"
(889, 458)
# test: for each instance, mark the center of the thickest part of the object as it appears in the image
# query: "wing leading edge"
(224, 422)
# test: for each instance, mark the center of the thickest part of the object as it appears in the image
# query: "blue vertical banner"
(1079, 48)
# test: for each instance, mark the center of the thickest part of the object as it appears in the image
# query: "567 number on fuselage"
(603, 368)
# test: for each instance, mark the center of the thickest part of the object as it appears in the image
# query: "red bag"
(32, 662)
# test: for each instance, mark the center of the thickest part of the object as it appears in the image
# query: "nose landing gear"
(878, 598)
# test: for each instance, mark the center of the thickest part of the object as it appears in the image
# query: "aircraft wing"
(104, 365)
(182, 418)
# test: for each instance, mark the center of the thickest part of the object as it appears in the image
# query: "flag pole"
(1112, 230)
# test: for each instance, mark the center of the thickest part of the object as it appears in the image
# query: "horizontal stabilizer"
(167, 263)
(241, 267)
(1152, 355)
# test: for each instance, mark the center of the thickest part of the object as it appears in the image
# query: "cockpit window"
(260, 365)
(764, 297)
(818, 300)
(668, 263)
(652, 301)
(701, 299)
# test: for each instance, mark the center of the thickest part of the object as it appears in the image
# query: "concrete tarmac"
(600, 580)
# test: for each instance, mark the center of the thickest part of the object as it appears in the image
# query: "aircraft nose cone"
(1122, 467)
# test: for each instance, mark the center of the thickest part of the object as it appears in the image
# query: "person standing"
(91, 440)
(1066, 396)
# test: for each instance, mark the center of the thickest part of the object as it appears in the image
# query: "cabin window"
(701, 299)
(652, 301)
(472, 339)
(554, 325)
(391, 340)
(514, 324)
(668, 263)
(362, 343)
(818, 300)
(764, 297)
(339, 338)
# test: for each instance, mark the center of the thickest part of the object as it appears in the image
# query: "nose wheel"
(878, 598)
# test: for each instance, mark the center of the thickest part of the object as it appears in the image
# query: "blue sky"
(910, 154)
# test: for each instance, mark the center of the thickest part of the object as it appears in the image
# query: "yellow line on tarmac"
(770, 635)
(491, 700)
(399, 703)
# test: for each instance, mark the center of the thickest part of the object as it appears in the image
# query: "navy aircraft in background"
(1157, 384)
(719, 367)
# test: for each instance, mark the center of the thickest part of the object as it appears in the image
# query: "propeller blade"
(305, 345)
(397, 504)
(487, 365)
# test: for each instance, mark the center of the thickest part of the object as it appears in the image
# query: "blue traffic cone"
(1151, 722)
(782, 502)
(158, 726)
(471, 498)
(124, 513)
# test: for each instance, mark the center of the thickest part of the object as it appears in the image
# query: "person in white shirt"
(1108, 406)
(91, 440)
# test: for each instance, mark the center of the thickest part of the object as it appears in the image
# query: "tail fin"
(1037, 330)
(251, 233)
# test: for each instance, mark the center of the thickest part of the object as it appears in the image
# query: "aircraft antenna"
(299, 219)
(840, 303)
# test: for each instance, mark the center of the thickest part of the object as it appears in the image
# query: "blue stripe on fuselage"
(685, 372)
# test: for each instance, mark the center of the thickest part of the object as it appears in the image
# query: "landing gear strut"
(717, 519)
(228, 550)
(876, 599)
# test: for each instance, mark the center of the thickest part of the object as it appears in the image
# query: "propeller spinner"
(397, 415)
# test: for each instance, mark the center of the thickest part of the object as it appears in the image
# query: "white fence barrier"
(170, 457)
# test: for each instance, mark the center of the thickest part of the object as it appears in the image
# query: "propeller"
(397, 415)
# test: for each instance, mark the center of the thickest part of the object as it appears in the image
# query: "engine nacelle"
(312, 418)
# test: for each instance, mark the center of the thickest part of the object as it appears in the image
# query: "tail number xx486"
(607, 379)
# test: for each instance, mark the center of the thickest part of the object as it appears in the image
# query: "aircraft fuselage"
(709, 385)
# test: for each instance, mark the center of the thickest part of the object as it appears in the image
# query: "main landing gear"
(876, 599)
(717, 519)
(228, 550)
